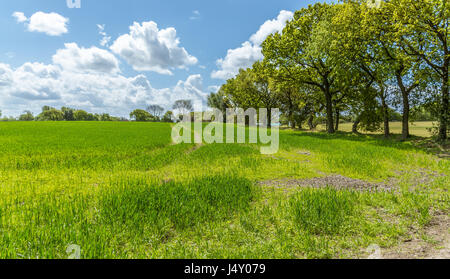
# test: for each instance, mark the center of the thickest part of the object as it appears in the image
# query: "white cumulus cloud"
(5, 75)
(36, 81)
(33, 85)
(147, 48)
(51, 24)
(250, 51)
(78, 59)
(20, 17)
(242, 57)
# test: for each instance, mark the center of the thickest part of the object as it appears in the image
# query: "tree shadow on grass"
(394, 141)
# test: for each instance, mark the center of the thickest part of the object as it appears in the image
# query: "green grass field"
(122, 190)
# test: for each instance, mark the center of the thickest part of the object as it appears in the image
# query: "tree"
(168, 117)
(141, 115)
(241, 90)
(404, 70)
(46, 108)
(305, 55)
(81, 115)
(105, 117)
(184, 107)
(219, 101)
(50, 114)
(156, 110)
(267, 97)
(363, 50)
(68, 113)
(422, 31)
(26, 116)
(250, 89)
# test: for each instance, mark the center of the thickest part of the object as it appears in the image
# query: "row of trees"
(356, 59)
(64, 114)
(155, 113)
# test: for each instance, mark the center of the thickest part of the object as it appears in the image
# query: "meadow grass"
(123, 190)
(323, 211)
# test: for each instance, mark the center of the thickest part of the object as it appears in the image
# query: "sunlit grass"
(123, 190)
(420, 129)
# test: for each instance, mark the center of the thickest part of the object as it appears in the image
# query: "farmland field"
(123, 190)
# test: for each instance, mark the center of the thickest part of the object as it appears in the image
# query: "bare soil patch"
(336, 181)
(432, 243)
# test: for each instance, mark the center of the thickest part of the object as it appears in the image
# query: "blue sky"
(51, 54)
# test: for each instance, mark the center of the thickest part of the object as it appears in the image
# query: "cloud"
(36, 81)
(33, 85)
(237, 58)
(92, 60)
(105, 38)
(20, 17)
(5, 75)
(51, 24)
(146, 48)
(190, 89)
(270, 27)
(195, 15)
(250, 51)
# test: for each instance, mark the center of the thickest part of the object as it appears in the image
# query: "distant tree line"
(153, 113)
(64, 114)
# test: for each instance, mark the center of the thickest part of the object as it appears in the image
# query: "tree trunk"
(355, 125)
(329, 107)
(405, 119)
(338, 115)
(311, 122)
(293, 124)
(291, 119)
(385, 107)
(444, 113)
(405, 98)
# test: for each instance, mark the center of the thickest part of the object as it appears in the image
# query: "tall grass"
(126, 212)
(323, 211)
(207, 199)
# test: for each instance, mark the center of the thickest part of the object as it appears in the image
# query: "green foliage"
(351, 58)
(50, 114)
(26, 116)
(421, 113)
(168, 117)
(68, 113)
(81, 115)
(323, 211)
(141, 115)
(219, 101)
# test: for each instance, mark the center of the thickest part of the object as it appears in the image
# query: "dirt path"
(336, 181)
(197, 145)
(435, 243)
